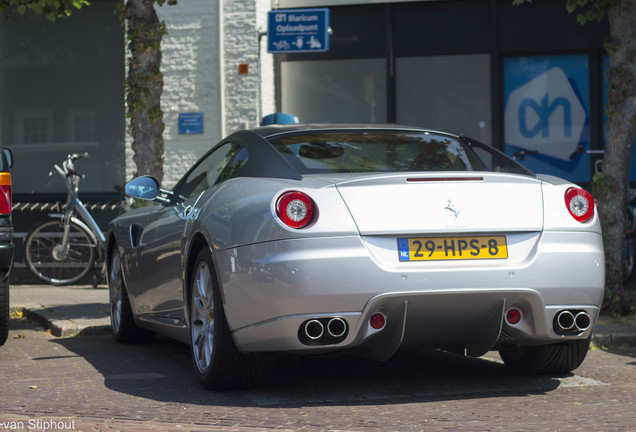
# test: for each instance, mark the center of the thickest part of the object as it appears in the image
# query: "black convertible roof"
(270, 163)
(273, 130)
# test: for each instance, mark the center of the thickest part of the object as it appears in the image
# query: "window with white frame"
(34, 127)
(81, 125)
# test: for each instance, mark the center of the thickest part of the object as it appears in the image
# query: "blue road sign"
(298, 30)
(190, 123)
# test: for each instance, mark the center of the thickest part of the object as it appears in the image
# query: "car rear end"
(438, 253)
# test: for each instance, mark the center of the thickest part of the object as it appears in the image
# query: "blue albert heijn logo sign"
(547, 115)
(298, 30)
(546, 108)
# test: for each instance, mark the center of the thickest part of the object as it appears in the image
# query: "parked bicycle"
(63, 250)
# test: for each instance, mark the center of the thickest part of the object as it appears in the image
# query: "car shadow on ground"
(162, 371)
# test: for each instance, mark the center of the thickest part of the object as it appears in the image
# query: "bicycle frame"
(73, 205)
(82, 211)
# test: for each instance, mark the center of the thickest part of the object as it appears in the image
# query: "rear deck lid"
(449, 202)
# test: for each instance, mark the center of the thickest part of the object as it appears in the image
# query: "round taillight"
(580, 204)
(377, 321)
(295, 209)
(513, 316)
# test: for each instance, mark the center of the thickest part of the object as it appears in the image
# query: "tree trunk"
(612, 188)
(144, 86)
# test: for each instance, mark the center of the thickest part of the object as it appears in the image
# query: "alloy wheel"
(202, 324)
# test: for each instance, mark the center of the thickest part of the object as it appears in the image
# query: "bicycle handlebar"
(73, 172)
(69, 165)
(75, 156)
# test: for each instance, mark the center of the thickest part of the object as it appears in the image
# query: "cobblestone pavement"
(90, 383)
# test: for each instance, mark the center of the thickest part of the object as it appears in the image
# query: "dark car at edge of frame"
(6, 240)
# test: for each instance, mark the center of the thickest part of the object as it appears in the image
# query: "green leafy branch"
(588, 10)
(52, 9)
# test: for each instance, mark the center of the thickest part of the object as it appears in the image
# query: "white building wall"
(241, 47)
(192, 61)
(190, 65)
(268, 96)
(251, 96)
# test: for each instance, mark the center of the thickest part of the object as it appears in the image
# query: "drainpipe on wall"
(259, 110)
(221, 69)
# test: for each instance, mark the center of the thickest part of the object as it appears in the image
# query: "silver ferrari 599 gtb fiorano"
(307, 239)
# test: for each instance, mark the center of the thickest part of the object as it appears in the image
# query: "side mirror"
(9, 155)
(145, 188)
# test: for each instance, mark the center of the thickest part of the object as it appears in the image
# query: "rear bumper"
(271, 290)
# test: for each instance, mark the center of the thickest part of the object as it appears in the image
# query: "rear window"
(383, 151)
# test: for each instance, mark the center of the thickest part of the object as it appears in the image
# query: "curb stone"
(614, 340)
(61, 326)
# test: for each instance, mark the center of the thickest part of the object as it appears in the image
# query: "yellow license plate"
(452, 248)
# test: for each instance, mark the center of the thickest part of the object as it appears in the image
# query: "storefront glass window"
(335, 90)
(62, 92)
(445, 93)
(546, 109)
(632, 173)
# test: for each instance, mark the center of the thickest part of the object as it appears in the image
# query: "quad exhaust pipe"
(572, 322)
(565, 320)
(323, 331)
(582, 321)
(336, 327)
(314, 329)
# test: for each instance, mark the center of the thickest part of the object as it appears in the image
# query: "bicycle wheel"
(48, 262)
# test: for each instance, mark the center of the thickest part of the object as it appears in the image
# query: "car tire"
(4, 312)
(217, 362)
(122, 321)
(552, 359)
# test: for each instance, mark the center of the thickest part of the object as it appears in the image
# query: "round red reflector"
(295, 209)
(377, 321)
(580, 204)
(513, 316)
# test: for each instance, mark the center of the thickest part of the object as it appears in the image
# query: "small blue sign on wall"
(298, 30)
(190, 123)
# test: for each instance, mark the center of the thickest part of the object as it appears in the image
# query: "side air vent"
(135, 234)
